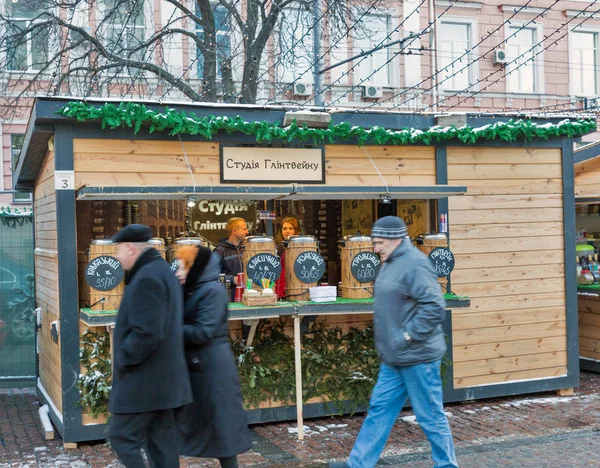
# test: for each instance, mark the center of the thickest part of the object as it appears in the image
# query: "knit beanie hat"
(389, 227)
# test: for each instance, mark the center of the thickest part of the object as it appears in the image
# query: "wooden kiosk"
(587, 199)
(509, 209)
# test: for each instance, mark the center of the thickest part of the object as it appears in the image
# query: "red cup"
(239, 292)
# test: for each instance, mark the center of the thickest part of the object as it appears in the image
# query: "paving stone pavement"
(538, 430)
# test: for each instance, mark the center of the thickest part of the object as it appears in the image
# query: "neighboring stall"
(503, 194)
(587, 200)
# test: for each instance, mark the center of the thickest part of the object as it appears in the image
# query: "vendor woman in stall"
(290, 226)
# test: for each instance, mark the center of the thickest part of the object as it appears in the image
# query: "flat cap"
(133, 233)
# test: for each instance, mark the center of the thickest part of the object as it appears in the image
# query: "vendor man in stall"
(230, 250)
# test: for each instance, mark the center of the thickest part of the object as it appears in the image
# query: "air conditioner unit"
(303, 89)
(372, 91)
(500, 56)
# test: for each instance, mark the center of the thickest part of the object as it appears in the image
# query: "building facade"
(432, 56)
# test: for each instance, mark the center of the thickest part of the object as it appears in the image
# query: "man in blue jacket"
(150, 376)
(409, 310)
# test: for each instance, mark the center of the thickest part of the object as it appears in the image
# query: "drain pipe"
(433, 57)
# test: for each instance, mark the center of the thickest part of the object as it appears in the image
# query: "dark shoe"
(334, 464)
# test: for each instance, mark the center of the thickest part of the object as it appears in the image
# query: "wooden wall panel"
(46, 278)
(507, 234)
(589, 327)
(160, 163)
(587, 178)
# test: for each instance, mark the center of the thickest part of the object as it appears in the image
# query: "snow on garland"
(6, 212)
(135, 115)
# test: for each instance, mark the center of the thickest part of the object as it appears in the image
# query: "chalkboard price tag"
(174, 265)
(263, 266)
(443, 261)
(364, 266)
(104, 273)
(309, 267)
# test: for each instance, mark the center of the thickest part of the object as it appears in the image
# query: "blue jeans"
(423, 385)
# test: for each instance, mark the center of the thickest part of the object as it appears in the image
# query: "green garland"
(6, 212)
(342, 367)
(94, 386)
(135, 115)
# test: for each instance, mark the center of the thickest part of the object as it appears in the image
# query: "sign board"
(443, 261)
(64, 180)
(309, 267)
(263, 266)
(209, 218)
(267, 215)
(266, 165)
(365, 266)
(104, 273)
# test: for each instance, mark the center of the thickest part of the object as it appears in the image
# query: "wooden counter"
(589, 327)
(238, 311)
(295, 309)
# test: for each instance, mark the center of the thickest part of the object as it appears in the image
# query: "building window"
(295, 46)
(372, 31)
(125, 20)
(456, 70)
(26, 52)
(16, 143)
(523, 72)
(222, 33)
(584, 63)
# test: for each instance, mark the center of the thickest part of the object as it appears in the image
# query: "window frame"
(218, 32)
(473, 69)
(28, 44)
(539, 85)
(392, 71)
(589, 30)
(307, 76)
(13, 165)
(147, 27)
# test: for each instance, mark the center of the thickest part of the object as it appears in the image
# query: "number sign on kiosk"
(104, 273)
(443, 261)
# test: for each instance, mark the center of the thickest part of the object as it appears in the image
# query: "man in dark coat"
(150, 374)
(229, 251)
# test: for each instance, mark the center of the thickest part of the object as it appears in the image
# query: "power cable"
(383, 41)
(310, 68)
(459, 59)
(508, 73)
(389, 60)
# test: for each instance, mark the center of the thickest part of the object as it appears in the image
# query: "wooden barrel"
(429, 241)
(180, 242)
(296, 290)
(159, 244)
(254, 245)
(351, 287)
(83, 257)
(112, 298)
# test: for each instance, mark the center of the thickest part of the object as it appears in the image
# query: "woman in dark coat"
(214, 426)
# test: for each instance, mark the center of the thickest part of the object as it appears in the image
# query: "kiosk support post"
(298, 366)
